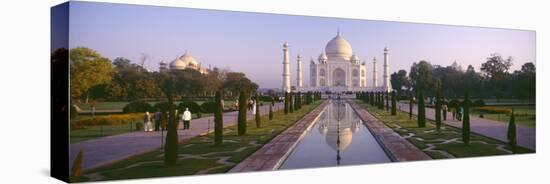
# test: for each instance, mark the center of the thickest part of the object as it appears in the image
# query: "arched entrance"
(338, 77)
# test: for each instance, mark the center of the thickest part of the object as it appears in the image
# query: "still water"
(338, 137)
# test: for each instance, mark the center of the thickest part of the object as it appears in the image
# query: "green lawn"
(198, 155)
(525, 115)
(94, 132)
(445, 143)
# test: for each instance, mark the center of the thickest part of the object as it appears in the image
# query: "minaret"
(299, 74)
(374, 79)
(286, 69)
(386, 75)
(162, 66)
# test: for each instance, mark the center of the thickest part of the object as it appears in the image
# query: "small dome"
(386, 49)
(354, 58)
(338, 48)
(184, 61)
(323, 56)
(285, 44)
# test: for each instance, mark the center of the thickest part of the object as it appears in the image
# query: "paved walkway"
(526, 136)
(396, 145)
(271, 155)
(106, 150)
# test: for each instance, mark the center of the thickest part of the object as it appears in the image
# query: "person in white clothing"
(186, 118)
(147, 125)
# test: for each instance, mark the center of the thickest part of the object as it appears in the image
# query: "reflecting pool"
(338, 137)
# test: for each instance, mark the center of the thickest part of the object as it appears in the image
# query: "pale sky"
(252, 42)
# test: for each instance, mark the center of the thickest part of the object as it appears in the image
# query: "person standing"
(156, 118)
(186, 118)
(147, 122)
(460, 113)
(445, 109)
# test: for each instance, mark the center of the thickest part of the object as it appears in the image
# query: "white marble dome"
(345, 136)
(183, 62)
(338, 49)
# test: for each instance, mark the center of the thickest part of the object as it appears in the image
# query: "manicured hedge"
(492, 110)
(208, 107)
(193, 106)
(115, 119)
(163, 106)
(138, 106)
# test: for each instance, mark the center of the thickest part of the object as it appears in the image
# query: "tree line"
(96, 77)
(494, 80)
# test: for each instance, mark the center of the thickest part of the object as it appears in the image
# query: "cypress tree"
(296, 101)
(371, 96)
(377, 96)
(218, 120)
(286, 103)
(270, 113)
(511, 136)
(411, 103)
(466, 120)
(387, 101)
(393, 104)
(377, 101)
(381, 101)
(258, 117)
(171, 143)
(301, 100)
(241, 124)
(421, 111)
(438, 110)
(291, 102)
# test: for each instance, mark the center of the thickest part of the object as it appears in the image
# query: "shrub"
(139, 126)
(266, 98)
(208, 107)
(163, 106)
(479, 103)
(193, 106)
(114, 119)
(138, 106)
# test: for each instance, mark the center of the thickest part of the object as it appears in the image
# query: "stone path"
(271, 155)
(399, 148)
(526, 136)
(106, 150)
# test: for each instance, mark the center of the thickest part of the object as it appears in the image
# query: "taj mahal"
(337, 69)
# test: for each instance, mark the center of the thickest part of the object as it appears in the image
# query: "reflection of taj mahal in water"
(337, 124)
(337, 69)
